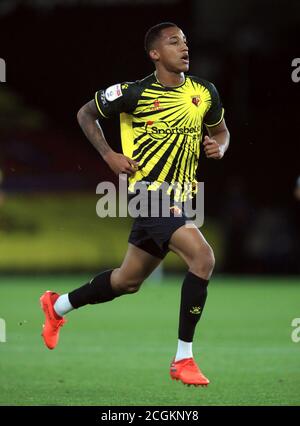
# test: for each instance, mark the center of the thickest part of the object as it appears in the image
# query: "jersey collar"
(168, 87)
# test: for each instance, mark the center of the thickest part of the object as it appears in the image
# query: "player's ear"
(154, 55)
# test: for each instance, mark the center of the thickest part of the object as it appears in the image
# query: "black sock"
(193, 296)
(98, 290)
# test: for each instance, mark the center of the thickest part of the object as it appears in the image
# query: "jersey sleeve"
(215, 114)
(121, 97)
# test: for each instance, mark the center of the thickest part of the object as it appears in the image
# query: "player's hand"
(119, 163)
(212, 149)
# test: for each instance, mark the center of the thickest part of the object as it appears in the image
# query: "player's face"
(172, 50)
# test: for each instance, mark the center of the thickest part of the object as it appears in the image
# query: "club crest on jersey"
(156, 105)
(196, 100)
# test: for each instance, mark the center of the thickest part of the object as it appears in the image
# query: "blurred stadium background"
(58, 53)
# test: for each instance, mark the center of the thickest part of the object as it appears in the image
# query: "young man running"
(162, 119)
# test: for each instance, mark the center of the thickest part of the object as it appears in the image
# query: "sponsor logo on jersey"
(161, 129)
(113, 92)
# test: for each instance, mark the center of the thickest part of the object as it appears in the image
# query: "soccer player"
(162, 118)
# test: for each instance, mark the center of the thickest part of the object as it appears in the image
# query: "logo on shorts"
(195, 310)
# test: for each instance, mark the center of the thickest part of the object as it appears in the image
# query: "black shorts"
(152, 234)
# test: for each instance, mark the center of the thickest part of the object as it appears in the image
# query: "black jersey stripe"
(146, 98)
(156, 170)
(190, 160)
(185, 163)
(189, 174)
(145, 160)
(155, 90)
(134, 124)
(140, 151)
(171, 172)
(139, 138)
(177, 177)
(179, 155)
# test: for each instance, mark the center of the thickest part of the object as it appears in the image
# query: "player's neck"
(169, 79)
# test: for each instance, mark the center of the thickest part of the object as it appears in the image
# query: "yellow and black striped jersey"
(161, 127)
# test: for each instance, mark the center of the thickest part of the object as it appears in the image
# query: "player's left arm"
(216, 144)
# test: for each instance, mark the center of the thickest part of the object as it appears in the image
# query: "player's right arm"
(87, 117)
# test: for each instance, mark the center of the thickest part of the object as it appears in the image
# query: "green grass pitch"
(118, 353)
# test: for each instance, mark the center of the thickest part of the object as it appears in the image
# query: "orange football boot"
(188, 372)
(53, 322)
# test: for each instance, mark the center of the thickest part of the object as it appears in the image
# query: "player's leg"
(108, 285)
(136, 266)
(191, 246)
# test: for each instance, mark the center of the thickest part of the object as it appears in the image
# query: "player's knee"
(133, 289)
(129, 285)
(210, 259)
(133, 286)
(203, 262)
(122, 284)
